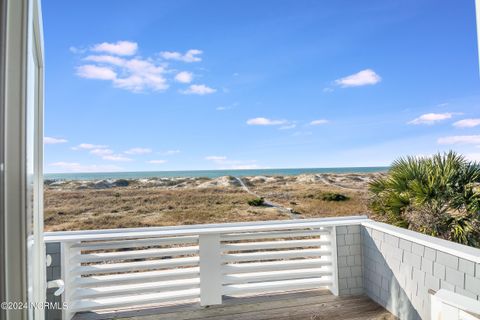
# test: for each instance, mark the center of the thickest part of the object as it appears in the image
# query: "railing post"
(333, 248)
(210, 269)
(68, 264)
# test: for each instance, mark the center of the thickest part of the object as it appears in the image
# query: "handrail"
(112, 234)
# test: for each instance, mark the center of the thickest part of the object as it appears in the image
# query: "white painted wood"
(270, 255)
(210, 270)
(274, 245)
(199, 230)
(67, 266)
(134, 300)
(136, 266)
(274, 265)
(334, 257)
(449, 305)
(138, 277)
(106, 245)
(275, 275)
(21, 223)
(137, 254)
(171, 268)
(132, 289)
(57, 235)
(273, 235)
(275, 285)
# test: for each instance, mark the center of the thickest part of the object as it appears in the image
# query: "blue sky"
(185, 85)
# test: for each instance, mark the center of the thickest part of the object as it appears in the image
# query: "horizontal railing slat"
(131, 289)
(275, 285)
(270, 255)
(119, 244)
(137, 277)
(133, 300)
(136, 266)
(274, 244)
(275, 275)
(274, 235)
(274, 265)
(137, 254)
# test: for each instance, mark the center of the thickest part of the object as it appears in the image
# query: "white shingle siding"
(398, 273)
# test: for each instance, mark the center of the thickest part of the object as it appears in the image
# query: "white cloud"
(116, 157)
(362, 78)
(136, 75)
(170, 152)
(90, 71)
(115, 62)
(157, 161)
(121, 48)
(142, 75)
(431, 118)
(77, 167)
(265, 122)
(199, 89)
(189, 56)
(51, 140)
(101, 152)
(216, 158)
(318, 122)
(106, 59)
(473, 139)
(467, 123)
(139, 151)
(184, 77)
(89, 146)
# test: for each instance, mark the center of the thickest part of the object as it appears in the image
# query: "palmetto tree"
(438, 195)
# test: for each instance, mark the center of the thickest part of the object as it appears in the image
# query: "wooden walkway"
(308, 305)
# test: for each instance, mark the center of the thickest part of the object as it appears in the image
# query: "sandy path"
(281, 208)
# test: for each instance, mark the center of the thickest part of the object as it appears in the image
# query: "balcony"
(342, 268)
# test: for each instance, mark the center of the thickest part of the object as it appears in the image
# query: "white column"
(210, 269)
(333, 248)
(68, 264)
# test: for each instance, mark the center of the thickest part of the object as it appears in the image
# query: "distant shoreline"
(209, 173)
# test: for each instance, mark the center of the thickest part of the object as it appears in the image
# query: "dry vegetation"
(73, 207)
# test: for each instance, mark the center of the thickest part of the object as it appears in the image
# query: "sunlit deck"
(309, 304)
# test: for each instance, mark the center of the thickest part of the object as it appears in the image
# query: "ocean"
(208, 173)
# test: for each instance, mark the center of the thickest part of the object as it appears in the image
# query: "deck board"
(307, 304)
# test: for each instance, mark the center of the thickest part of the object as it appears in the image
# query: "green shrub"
(257, 202)
(438, 196)
(331, 196)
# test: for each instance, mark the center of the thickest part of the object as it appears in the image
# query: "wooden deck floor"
(309, 305)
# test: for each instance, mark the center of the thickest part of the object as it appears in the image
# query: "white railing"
(447, 305)
(118, 268)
